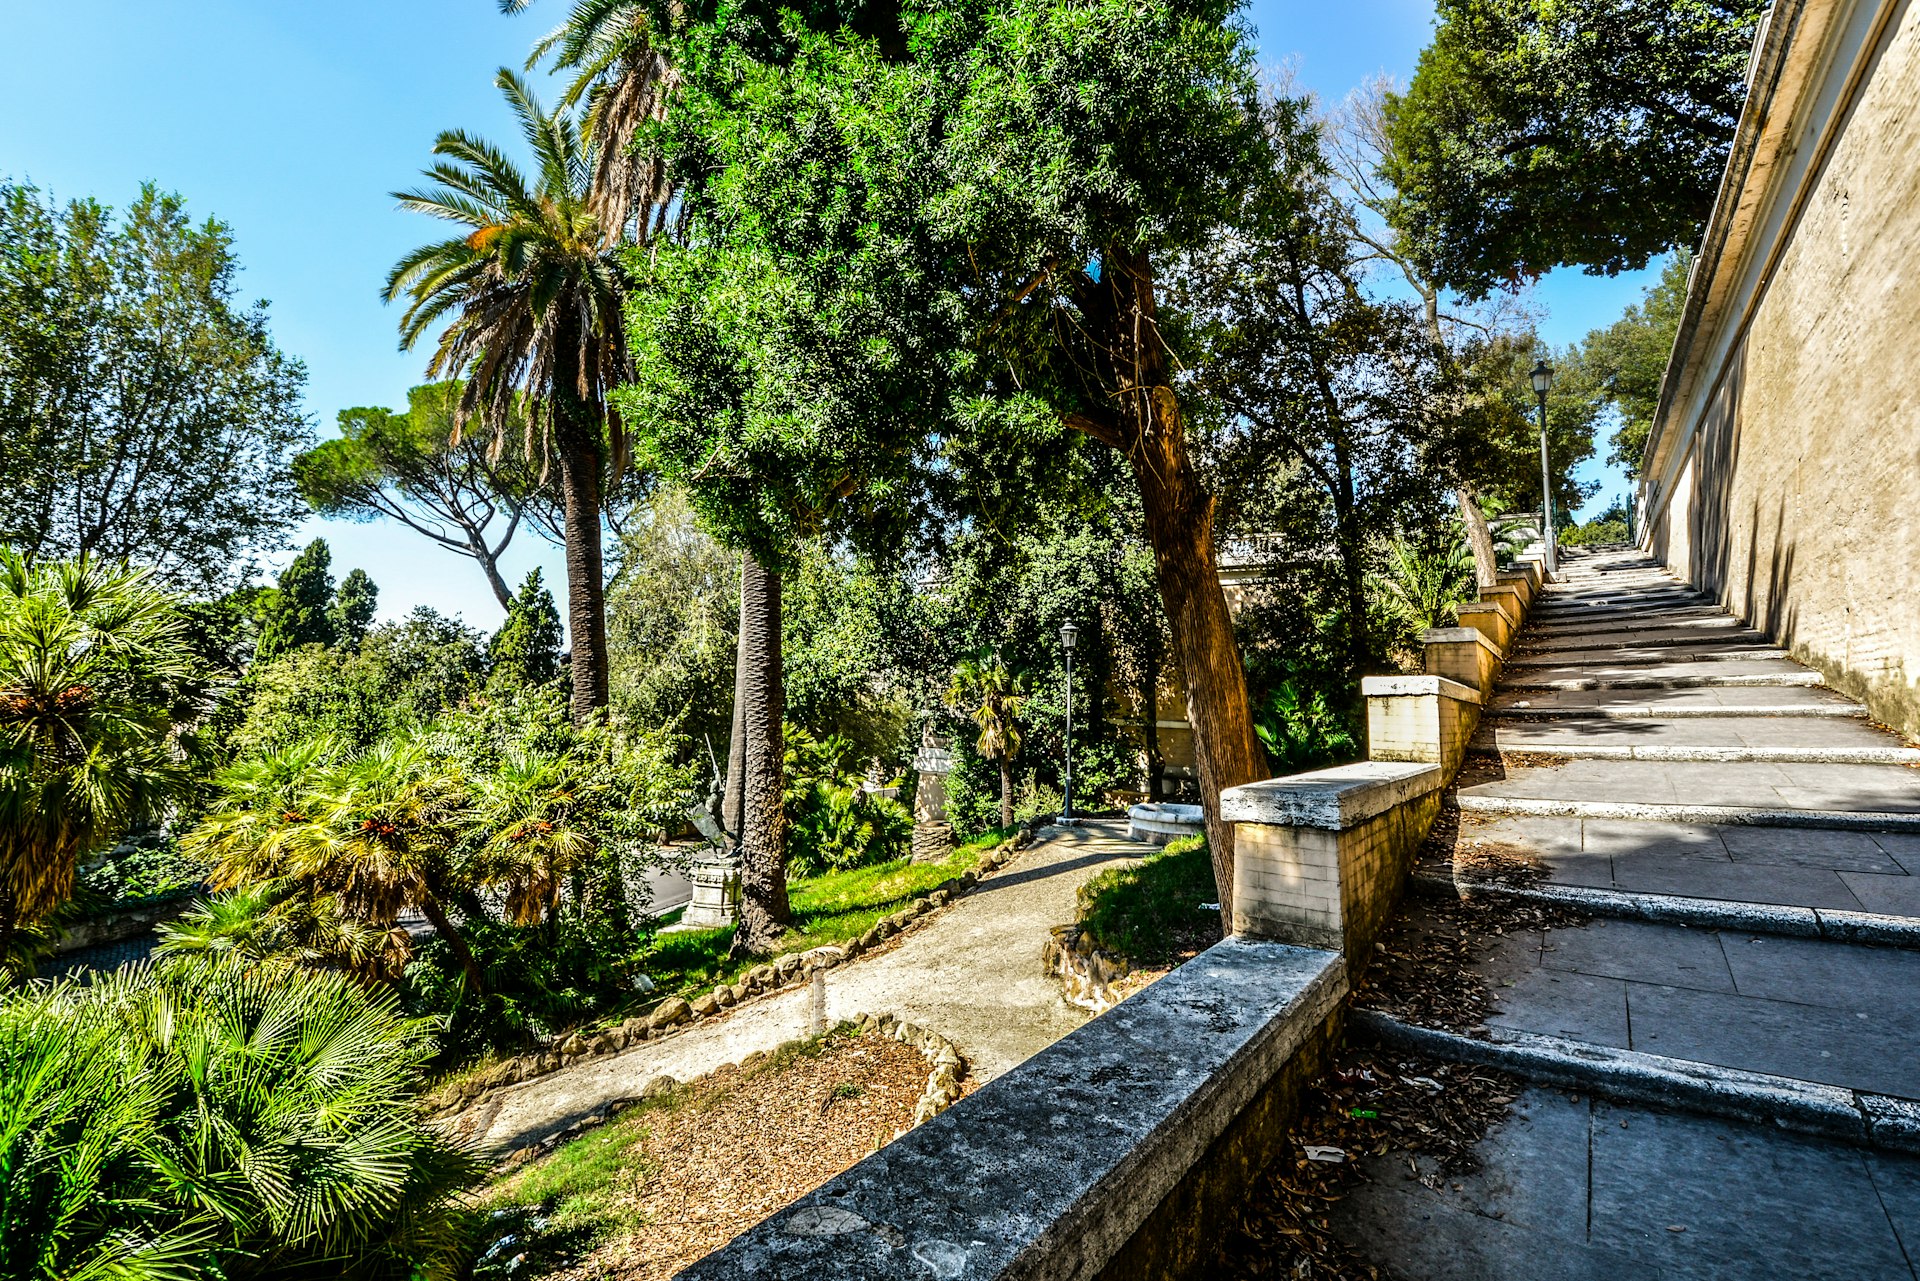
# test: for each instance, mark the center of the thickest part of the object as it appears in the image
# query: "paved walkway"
(970, 972)
(1705, 764)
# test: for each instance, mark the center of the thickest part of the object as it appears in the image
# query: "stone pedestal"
(932, 835)
(716, 893)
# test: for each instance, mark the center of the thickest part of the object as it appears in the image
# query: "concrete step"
(1741, 815)
(1708, 680)
(1528, 644)
(1809, 787)
(1651, 711)
(1634, 625)
(1549, 614)
(1651, 657)
(1862, 1118)
(1836, 925)
(1581, 749)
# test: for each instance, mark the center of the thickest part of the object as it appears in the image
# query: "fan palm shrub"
(228, 1122)
(527, 299)
(1420, 585)
(98, 685)
(991, 696)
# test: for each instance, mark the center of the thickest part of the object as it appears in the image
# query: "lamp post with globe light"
(1542, 376)
(1068, 635)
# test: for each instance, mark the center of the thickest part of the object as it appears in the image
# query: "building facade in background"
(1782, 474)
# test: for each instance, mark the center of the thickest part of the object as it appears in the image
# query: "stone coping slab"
(1417, 686)
(1336, 798)
(1731, 815)
(1048, 1170)
(1456, 635)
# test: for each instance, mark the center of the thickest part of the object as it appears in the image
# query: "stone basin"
(1158, 824)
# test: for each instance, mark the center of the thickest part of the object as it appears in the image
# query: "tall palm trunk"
(582, 459)
(1146, 425)
(1006, 792)
(764, 910)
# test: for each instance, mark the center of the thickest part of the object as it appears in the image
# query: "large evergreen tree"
(300, 609)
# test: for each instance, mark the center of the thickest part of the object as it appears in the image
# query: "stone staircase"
(1749, 839)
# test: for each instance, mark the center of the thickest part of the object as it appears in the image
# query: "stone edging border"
(944, 1083)
(674, 1012)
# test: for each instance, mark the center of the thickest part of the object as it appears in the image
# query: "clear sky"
(292, 122)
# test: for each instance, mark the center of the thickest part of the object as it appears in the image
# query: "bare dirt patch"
(671, 1181)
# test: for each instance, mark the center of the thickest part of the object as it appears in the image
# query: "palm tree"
(97, 682)
(992, 696)
(624, 79)
(529, 810)
(531, 297)
(371, 836)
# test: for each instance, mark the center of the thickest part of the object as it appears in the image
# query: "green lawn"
(827, 909)
(1152, 912)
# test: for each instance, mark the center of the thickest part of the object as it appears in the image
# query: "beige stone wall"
(1799, 505)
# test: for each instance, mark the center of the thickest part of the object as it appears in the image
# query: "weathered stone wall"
(1797, 501)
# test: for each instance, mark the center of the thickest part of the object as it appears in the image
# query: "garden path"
(970, 972)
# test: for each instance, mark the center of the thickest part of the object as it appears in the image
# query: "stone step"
(1632, 625)
(1727, 815)
(1709, 680)
(1862, 1118)
(1528, 644)
(1652, 712)
(1585, 750)
(1548, 614)
(1836, 925)
(1654, 657)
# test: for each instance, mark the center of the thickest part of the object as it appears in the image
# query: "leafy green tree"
(353, 608)
(673, 622)
(225, 1123)
(940, 232)
(300, 609)
(988, 692)
(527, 300)
(1628, 359)
(405, 673)
(1540, 133)
(526, 650)
(145, 416)
(98, 689)
(420, 469)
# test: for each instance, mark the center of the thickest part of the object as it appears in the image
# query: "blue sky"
(292, 122)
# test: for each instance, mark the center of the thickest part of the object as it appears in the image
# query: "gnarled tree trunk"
(1486, 562)
(1143, 421)
(761, 685)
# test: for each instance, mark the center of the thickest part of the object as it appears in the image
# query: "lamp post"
(1542, 376)
(1068, 635)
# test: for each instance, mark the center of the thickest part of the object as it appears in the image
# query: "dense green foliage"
(300, 610)
(144, 415)
(1628, 360)
(832, 824)
(98, 693)
(525, 652)
(221, 1123)
(1542, 133)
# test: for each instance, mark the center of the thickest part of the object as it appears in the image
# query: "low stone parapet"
(1420, 718)
(1122, 1151)
(1320, 858)
(1157, 824)
(1463, 654)
(1491, 618)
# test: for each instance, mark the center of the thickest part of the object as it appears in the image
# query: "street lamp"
(1068, 635)
(1542, 376)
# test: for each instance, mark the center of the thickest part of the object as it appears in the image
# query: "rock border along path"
(970, 972)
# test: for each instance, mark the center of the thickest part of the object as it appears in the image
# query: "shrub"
(221, 1123)
(832, 823)
(1302, 730)
(1598, 530)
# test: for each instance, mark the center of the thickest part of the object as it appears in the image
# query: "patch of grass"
(1150, 913)
(834, 908)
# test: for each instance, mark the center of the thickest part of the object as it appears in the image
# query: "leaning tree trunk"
(581, 463)
(1486, 561)
(764, 911)
(456, 943)
(1141, 418)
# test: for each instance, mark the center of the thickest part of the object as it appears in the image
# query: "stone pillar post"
(932, 834)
